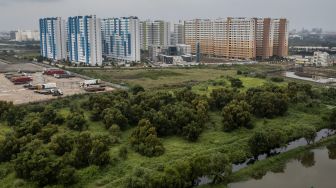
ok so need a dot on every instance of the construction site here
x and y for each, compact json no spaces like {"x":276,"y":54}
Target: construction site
{"x":40,"y":84}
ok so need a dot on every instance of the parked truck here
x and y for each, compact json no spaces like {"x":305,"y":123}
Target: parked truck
{"x":47,"y":86}
{"x":88,"y":83}
{"x":21,"y":80}
{"x":53,"y":71}
{"x":66,"y":74}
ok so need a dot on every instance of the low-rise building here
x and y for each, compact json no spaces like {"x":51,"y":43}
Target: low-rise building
{"x":321,"y":59}
{"x":172,"y":54}
{"x":27,"y":35}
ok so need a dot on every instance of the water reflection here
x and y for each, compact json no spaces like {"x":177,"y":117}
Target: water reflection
{"x":314,"y":168}
{"x":307,"y":159}
{"x":332,"y":151}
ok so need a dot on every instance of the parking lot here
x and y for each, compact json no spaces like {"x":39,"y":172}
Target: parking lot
{"x":20,"y":95}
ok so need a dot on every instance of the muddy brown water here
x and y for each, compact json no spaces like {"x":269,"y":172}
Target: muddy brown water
{"x":312,"y":169}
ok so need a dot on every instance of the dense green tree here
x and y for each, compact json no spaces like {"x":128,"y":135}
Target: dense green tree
{"x":4,"y":107}
{"x":192,"y":131}
{"x":99,"y":154}
{"x":221,"y":97}
{"x":46,"y":133}
{"x":36,"y":163}
{"x":30,"y":125}
{"x":137,"y":89}
{"x":235,"y":115}
{"x":82,"y":150}
{"x":236,"y":83}
{"x":145,"y":141}
{"x":268,"y":104}
{"x":115,"y":131}
{"x":67,"y":176}
{"x":15,"y":115}
{"x":123,"y":152}
{"x":202,"y":107}
{"x":332,"y":120}
{"x":49,"y":115}
{"x":114,"y":116}
{"x":263,"y":140}
{"x":185,"y":95}
{"x":76,"y":121}
{"x":62,"y":143}
{"x":9,"y":147}
{"x":309,"y":133}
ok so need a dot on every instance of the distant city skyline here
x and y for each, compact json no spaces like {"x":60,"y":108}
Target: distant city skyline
{"x":24,"y":14}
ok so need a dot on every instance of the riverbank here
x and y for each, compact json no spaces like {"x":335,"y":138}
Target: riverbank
{"x":272,"y":164}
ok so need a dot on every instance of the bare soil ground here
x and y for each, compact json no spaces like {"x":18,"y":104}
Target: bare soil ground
{"x":19,"y":95}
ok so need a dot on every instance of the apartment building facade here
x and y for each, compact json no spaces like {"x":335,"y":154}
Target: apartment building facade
{"x":280,"y":46}
{"x":264,"y":28}
{"x":179,"y":32}
{"x":238,"y":38}
{"x":84,"y":40}
{"x":121,"y":38}
{"x":53,"y":38}
{"x":155,"y":33}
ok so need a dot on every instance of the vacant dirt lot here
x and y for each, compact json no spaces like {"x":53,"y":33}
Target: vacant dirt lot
{"x":20,"y":95}
{"x":25,"y":67}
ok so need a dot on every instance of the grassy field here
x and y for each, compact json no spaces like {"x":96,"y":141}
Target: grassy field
{"x":175,"y":77}
{"x":153,"y":78}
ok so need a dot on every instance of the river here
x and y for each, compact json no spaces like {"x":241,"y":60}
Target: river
{"x":312,"y":169}
{"x":290,"y":146}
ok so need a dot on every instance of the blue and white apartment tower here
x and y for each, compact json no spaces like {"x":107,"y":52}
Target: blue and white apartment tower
{"x":121,"y":38}
{"x":53,"y":38}
{"x":84,"y":40}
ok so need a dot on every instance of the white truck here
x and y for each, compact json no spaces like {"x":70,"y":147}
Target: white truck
{"x":48,"y":86}
{"x":87,"y":83}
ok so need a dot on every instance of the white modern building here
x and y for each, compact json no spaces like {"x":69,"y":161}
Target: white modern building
{"x":85,"y":40}
{"x":321,"y":59}
{"x":155,"y":33}
{"x":53,"y":38}
{"x":179,"y":33}
{"x":27,"y":35}
{"x":121,"y":38}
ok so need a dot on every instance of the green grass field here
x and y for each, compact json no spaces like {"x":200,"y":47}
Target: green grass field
{"x":154,"y":78}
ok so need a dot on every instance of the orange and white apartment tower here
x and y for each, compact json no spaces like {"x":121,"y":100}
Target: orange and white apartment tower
{"x":238,"y":38}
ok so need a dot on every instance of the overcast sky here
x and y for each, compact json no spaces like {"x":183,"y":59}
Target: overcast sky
{"x":24,"y":14}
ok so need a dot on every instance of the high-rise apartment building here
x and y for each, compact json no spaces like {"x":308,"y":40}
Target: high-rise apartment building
{"x":154,"y":33}
{"x":84,"y":40}
{"x":53,"y":38}
{"x":280,"y":46}
{"x":264,"y":37}
{"x":238,"y":38}
{"x":121,"y":38}
{"x":179,"y":32}
{"x":200,"y":31}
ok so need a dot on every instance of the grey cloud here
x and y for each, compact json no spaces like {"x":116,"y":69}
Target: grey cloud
{"x":8,"y":2}
{"x":301,"y":13}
